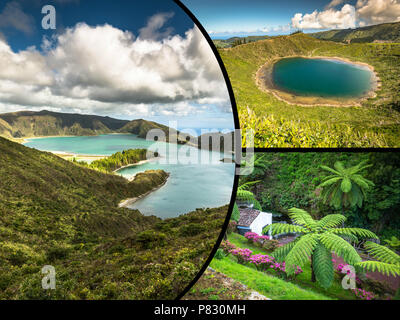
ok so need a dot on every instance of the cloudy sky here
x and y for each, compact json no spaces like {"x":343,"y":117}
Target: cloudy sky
{"x":224,"y":18}
{"x":111,"y":58}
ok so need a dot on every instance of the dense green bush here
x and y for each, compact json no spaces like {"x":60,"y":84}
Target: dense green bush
{"x":150,"y":238}
{"x":192,"y":229}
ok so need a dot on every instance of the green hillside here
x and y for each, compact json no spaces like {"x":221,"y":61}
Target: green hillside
{"x":389,"y":32}
{"x":278,"y":124}
{"x":46,"y":123}
{"x":54,"y":212}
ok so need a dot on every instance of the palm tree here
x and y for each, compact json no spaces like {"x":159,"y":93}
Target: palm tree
{"x":345,"y":187}
{"x":317,"y":240}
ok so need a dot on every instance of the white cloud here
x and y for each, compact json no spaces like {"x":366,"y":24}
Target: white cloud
{"x":328,"y":19}
{"x":334,"y":3}
{"x":154,"y":24}
{"x":105,"y":70}
{"x":13,"y":16}
{"x":377,"y":11}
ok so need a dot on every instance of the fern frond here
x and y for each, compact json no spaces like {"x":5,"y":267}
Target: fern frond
{"x":302,"y":217}
{"x":331,"y":221}
{"x":235,"y":213}
{"x":358,"y":232}
{"x":301,"y":252}
{"x":341,"y":247}
{"x":244,"y":195}
{"x":382,"y":267}
{"x":280,"y":253}
{"x":246,"y":186}
{"x":323,"y":266}
{"x":277,"y":228}
{"x":330,"y":170}
{"x":329,"y":182}
{"x":382,"y":253}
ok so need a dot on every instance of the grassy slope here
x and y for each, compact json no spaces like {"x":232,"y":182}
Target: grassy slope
{"x":273,"y":287}
{"x":242,"y":62}
{"x":386,"y":31}
{"x":55,"y":212}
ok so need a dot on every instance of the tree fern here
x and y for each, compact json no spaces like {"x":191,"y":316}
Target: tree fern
{"x":323,"y":266}
{"x":382,"y":267}
{"x":341,"y":247}
{"x":382,"y":253}
{"x":345,"y":186}
{"x":331,"y":220}
{"x":358,"y":232}
{"x":278,"y":228}
{"x":301,"y":252}
{"x":280,"y":253}
{"x":302,"y":218}
{"x":317,"y":240}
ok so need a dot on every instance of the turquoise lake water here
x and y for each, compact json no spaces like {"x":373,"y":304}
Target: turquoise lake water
{"x":322,"y":77}
{"x":192,"y":184}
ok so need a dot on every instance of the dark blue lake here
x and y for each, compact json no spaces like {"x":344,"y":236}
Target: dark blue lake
{"x":322,"y":77}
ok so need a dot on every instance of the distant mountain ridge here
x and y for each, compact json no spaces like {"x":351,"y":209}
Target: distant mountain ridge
{"x":45,"y":123}
{"x":386,"y":32}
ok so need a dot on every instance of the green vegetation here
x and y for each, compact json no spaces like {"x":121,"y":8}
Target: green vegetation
{"x":382,"y":32}
{"x":388,"y":261}
{"x":345,"y":187}
{"x":278,"y":124}
{"x":119,"y":160}
{"x":55,"y":212}
{"x":317,"y":240}
{"x":291,"y":180}
{"x":272,"y":287}
{"x":317,"y":245}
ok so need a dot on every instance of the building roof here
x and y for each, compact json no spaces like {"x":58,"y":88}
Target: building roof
{"x":247,"y":216}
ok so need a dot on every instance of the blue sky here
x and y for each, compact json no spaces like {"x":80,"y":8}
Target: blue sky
{"x":121,"y":14}
{"x":113,"y":58}
{"x":222,"y":18}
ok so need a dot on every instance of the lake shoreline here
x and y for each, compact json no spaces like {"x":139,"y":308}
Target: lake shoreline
{"x":127,"y":202}
{"x":264,"y":81}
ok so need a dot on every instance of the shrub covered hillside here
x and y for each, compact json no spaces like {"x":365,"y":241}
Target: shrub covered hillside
{"x":290,"y":180}
{"x":278,"y":124}
{"x":54,"y":212}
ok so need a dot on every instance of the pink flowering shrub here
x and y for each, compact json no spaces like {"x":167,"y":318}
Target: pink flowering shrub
{"x":254,"y":237}
{"x":261,"y":261}
{"x":280,"y":269}
{"x":242,"y":255}
{"x":227,"y":246}
{"x":363,"y":295}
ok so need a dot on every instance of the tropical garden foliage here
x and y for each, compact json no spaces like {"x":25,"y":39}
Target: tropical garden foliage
{"x":347,"y":201}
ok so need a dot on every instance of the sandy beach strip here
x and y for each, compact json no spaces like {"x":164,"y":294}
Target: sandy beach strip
{"x":128,"y":202}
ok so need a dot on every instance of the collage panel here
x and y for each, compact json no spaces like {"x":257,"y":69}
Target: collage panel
{"x":311,"y":74}
{"x":311,"y":226}
{"x":116,"y":150}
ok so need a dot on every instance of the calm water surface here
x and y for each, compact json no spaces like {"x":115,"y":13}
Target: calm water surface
{"x":322,"y":77}
{"x":191,"y":185}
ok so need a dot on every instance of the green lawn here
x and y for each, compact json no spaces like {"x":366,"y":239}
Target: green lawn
{"x":278,"y":124}
{"x":271,"y":286}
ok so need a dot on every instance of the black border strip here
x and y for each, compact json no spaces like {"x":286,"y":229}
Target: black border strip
{"x":237,"y":127}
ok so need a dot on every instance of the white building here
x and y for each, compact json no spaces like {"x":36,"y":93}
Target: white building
{"x":252,"y":220}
